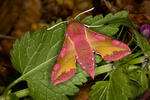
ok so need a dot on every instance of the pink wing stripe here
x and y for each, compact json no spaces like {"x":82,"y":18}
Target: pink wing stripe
{"x":77,"y":34}
{"x":62,"y":60}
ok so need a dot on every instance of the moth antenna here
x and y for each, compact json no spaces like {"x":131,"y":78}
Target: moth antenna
{"x":94,"y":25}
{"x":83,"y":12}
{"x":57,"y":24}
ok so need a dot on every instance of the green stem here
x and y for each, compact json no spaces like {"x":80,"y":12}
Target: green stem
{"x":103,"y":69}
{"x":132,"y":39}
{"x":22,"y":93}
{"x":132,"y":67}
{"x":124,"y":36}
{"x":137,"y":60}
{"x":118,"y":36}
{"x":11,"y":85}
{"x":134,"y":48}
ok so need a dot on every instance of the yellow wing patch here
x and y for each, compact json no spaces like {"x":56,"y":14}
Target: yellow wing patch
{"x":109,"y":49}
{"x":65,"y":67}
{"x":105,"y":47}
{"x":67,"y":63}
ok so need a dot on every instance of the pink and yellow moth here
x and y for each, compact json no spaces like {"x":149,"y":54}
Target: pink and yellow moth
{"x":79,"y":45}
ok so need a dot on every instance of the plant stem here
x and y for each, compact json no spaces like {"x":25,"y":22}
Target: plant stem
{"x":134,"y":48}
{"x":137,"y":60}
{"x":118,"y":36}
{"x":22,"y":93}
{"x":103,"y":69}
{"x":124,"y":36}
{"x":11,"y":85}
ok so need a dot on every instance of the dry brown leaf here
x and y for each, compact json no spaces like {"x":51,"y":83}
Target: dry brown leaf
{"x":17,"y":17}
{"x":6,"y":45}
{"x":8,"y":14}
{"x":3,"y":71}
{"x":38,"y":26}
{"x":68,"y":3}
{"x":124,"y":3}
{"x":29,"y":14}
{"x":83,"y":93}
{"x":145,"y":7}
{"x":74,"y":7}
{"x":139,"y":19}
{"x":50,"y":10}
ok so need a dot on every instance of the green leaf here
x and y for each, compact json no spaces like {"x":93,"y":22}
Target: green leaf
{"x":122,"y":85}
{"x":142,"y":42}
{"x":116,"y":88}
{"x":108,"y":30}
{"x":139,"y":82}
{"x":99,"y":90}
{"x":98,"y":58}
{"x":109,"y":17}
{"x":128,"y":59}
{"x":35,"y":50}
{"x":13,"y":97}
{"x":123,"y":21}
{"x":88,"y":20}
{"x":27,"y":98}
{"x":22,"y":93}
{"x":34,"y":57}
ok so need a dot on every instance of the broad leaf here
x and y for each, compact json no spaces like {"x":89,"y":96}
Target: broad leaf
{"x":34,"y":57}
{"x":122,"y":85}
{"x":110,"y":29}
{"x":116,"y":88}
{"x":139,"y":82}
{"x":13,"y":97}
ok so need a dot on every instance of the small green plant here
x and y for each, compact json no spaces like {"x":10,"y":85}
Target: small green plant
{"x":35,"y":55}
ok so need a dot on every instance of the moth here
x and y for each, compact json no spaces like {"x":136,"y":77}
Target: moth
{"x":79,"y":44}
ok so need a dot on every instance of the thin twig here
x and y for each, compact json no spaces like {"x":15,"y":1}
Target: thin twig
{"x":8,"y":37}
